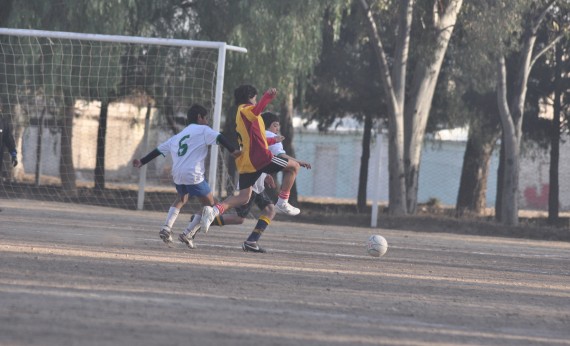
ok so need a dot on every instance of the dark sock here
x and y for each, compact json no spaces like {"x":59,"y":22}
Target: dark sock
{"x":262,"y":224}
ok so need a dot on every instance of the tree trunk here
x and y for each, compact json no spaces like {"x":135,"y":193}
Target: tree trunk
{"x":364,"y":162}
{"x":511,"y":125}
{"x":100,"y":152}
{"x":511,"y":114}
{"x":394,"y":86}
{"x":554,"y":188}
{"x":421,"y":96}
{"x":66,"y":168}
{"x":38,"y":171}
{"x":500,"y":183}
{"x":472,"y":196}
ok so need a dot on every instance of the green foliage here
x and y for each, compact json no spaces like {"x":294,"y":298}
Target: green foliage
{"x":343,"y":81}
{"x":283,"y":38}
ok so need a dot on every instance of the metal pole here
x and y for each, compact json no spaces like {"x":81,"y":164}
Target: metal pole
{"x":142,"y":176}
{"x":376,"y":181}
{"x":212,"y":177}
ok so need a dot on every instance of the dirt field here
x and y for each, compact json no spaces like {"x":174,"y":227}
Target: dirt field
{"x":86,"y":275}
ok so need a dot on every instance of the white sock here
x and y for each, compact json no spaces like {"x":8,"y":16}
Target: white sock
{"x":282,"y":201}
{"x":171,"y":217}
{"x":196,"y":220}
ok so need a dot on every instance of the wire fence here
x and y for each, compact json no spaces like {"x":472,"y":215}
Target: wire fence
{"x":335,"y":158}
{"x":336,"y":161}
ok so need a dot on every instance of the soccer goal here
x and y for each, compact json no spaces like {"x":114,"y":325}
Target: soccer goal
{"x":83,"y":106}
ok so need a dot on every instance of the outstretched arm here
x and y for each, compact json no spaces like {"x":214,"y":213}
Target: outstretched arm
{"x":301,"y":163}
{"x":149,"y":157}
{"x":265,"y":99}
{"x":223,"y":141}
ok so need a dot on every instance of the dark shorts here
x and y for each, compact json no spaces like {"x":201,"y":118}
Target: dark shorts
{"x":248,"y":179}
{"x":198,"y":190}
{"x":261,"y":200}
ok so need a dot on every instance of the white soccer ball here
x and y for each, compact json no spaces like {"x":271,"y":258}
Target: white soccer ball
{"x":376,"y":245}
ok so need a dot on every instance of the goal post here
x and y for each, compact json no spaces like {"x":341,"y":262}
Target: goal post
{"x":62,"y":89}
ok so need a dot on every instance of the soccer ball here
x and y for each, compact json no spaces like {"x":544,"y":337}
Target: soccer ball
{"x":376,"y":245}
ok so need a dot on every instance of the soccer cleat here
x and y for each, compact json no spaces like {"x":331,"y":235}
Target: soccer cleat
{"x":188,"y":241}
{"x":192,"y":233}
{"x":208,"y":215}
{"x":286,"y":208}
{"x":252,"y":247}
{"x":165,"y":235}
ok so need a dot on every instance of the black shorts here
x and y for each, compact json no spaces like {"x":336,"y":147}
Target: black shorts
{"x":261,"y":200}
{"x":248,"y":179}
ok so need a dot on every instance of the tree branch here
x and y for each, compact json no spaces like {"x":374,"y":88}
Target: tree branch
{"x":502,"y":102}
{"x":540,"y":17}
{"x":381,"y":55}
{"x":545,"y":49}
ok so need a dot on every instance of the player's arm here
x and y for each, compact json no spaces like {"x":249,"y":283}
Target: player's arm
{"x":274,"y":140}
{"x":301,"y":163}
{"x":224,"y":142}
{"x":265,"y":99}
{"x":149,"y":157}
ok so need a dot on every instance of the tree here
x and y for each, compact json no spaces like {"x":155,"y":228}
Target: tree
{"x":483,"y":135}
{"x":340,"y":84}
{"x":408,"y":116}
{"x":556,"y":128}
{"x":511,"y":108}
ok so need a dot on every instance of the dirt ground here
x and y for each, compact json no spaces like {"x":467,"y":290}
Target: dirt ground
{"x":90,"y":275}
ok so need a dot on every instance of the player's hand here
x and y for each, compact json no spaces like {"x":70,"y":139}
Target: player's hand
{"x":137,"y":163}
{"x":305,"y":164}
{"x":279,"y":138}
{"x":236,"y":154}
{"x":269,"y":181}
{"x":272,"y":91}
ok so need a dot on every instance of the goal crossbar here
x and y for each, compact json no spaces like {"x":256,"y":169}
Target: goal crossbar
{"x":121,"y":39}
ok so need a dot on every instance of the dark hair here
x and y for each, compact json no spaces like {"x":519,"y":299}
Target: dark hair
{"x":243,"y":93}
{"x":194,"y":111}
{"x":269,"y":118}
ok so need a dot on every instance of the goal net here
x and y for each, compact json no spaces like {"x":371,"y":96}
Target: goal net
{"x":81,"y":107}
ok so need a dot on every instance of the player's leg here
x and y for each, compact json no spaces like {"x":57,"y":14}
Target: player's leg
{"x":290,"y":168}
{"x":166,"y":230}
{"x":246,"y":182}
{"x":268,"y":213}
{"x":203,"y":192}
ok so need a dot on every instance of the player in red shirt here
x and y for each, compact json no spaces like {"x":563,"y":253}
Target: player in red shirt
{"x":255,"y":159}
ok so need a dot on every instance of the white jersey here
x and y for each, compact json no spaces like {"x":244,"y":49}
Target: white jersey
{"x":189,"y":149}
{"x":277,"y":148}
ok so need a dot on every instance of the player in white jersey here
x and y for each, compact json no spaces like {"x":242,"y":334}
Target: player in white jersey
{"x":272,"y":127}
{"x":258,"y":196}
{"x":188,"y":149}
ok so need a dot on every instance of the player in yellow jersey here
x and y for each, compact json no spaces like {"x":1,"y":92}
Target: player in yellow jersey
{"x":255,"y":159}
